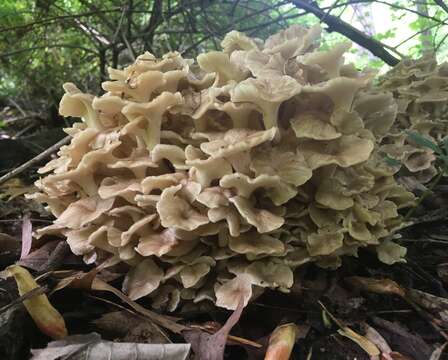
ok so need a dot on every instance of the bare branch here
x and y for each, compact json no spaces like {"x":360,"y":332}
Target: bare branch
{"x":442,"y":5}
{"x":340,"y":26}
{"x":35,"y":159}
{"x":154,"y":21}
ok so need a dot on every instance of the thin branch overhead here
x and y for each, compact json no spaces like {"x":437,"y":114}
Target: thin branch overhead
{"x":336,"y":24}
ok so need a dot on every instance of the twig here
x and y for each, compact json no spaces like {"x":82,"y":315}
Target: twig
{"x":123,"y":308}
{"x":441,"y":42}
{"x":241,"y":19}
{"x":418,"y":33}
{"x":340,"y":26}
{"x":442,"y":5}
{"x":36,"y":291}
{"x":429,"y":318}
{"x":24,"y":130}
{"x":56,"y":18}
{"x":12,"y":101}
{"x":34,"y":160}
{"x":20,"y":118}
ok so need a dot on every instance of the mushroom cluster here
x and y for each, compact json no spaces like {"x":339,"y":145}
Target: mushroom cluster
{"x":221,"y":176}
{"x":420,"y":88}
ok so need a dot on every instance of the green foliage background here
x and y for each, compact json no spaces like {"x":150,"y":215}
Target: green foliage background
{"x":44,"y":43}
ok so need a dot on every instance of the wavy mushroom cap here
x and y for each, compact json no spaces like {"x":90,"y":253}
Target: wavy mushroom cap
{"x":216,"y":179}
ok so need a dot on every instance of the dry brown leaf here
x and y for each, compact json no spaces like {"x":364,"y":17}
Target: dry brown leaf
{"x":164,"y":321}
{"x":38,"y":257}
{"x":405,"y":344}
{"x":8,"y":243}
{"x":129,"y":327}
{"x":281,"y":342}
{"x":377,"y":286}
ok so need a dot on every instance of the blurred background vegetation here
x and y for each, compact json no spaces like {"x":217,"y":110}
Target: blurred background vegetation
{"x":44,"y":43}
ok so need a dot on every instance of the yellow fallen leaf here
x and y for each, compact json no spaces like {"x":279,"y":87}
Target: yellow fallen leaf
{"x":46,"y":317}
{"x":368,"y":346}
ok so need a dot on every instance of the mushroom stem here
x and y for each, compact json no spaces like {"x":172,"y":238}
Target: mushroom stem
{"x":270,"y":115}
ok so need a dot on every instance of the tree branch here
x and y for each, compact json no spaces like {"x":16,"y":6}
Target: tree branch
{"x":43,"y":155}
{"x":442,"y":5}
{"x":340,"y":26}
{"x":154,"y":21}
{"x":58,"y":18}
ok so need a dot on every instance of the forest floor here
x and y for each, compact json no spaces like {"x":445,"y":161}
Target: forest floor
{"x":405,"y":314}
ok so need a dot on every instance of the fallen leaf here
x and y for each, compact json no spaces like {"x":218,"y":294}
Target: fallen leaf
{"x":281,"y":342}
{"x":91,"y":347}
{"x":402,"y":341}
{"x":83,"y":280}
{"x":164,"y":321}
{"x":9,"y":249}
{"x":399,"y":356}
{"x":437,"y":305}
{"x":12,"y":337}
{"x":368,"y":346}
{"x":8,"y":242}
{"x":376,"y":338}
{"x":129,"y":327}
{"x":27,"y":236}
{"x":377,"y":286}
{"x":46,"y":317}
{"x":37,"y":258}
{"x":437,"y":353}
{"x":211,"y":347}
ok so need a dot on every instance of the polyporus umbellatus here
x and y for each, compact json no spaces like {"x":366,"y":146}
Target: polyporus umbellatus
{"x":420,"y":88}
{"x":224,"y":175}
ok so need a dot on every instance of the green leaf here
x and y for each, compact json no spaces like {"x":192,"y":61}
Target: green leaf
{"x":422,"y":141}
{"x":445,"y":145}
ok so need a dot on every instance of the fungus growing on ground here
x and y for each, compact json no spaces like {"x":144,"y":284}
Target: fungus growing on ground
{"x":225,"y":177}
{"x":420,"y":88}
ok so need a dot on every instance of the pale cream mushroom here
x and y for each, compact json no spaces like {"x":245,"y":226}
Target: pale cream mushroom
{"x":174,"y":211}
{"x":267,"y":94}
{"x":143,"y":279}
